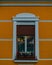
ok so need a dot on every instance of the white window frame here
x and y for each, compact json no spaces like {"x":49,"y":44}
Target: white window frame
{"x":36,"y":38}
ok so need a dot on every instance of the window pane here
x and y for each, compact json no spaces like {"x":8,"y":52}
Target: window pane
{"x":20,"y":43}
{"x":30,"y":45}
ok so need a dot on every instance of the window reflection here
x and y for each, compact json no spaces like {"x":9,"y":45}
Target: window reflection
{"x":30,"y":53}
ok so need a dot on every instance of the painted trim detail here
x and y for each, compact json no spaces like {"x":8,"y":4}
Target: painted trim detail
{"x":25,"y":5}
{"x":5,"y":39}
{"x":38,"y":39}
{"x":45,"y":39}
{"x":6,"y":59}
{"x":39,"y":21}
{"x":5,"y":20}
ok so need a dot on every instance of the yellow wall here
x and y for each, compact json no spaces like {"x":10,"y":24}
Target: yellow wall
{"x":45,"y":32}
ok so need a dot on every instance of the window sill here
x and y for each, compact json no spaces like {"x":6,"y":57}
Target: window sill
{"x":25,"y":60}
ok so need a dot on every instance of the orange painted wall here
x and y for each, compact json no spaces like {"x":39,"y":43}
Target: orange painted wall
{"x":44,"y":13}
{"x":44,"y":28}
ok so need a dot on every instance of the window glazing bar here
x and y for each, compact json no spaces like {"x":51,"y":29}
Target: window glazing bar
{"x":25,"y":43}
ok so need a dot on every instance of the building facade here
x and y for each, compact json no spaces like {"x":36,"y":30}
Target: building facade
{"x":44,"y":12}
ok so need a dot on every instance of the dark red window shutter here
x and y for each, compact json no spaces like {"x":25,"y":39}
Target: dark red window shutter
{"x":25,"y":29}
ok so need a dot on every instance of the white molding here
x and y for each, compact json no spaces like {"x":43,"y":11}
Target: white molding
{"x":25,"y":19}
{"x":14,"y":40}
{"x":45,"y":20}
{"x":25,"y":5}
{"x":45,"y":39}
{"x":39,"y":20}
{"x":25,"y":60}
{"x":5,"y":39}
{"x":45,"y":59}
{"x":5,"y":20}
{"x":30,"y":61}
{"x":26,"y":23}
{"x":6,"y":59}
{"x":36,"y":40}
{"x":25,"y":1}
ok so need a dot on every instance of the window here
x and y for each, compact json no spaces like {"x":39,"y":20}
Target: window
{"x":25,"y":42}
{"x":25,"y":38}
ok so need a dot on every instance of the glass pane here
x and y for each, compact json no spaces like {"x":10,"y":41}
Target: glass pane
{"x":20,"y":44}
{"x":20,"y":47}
{"x":31,"y":45}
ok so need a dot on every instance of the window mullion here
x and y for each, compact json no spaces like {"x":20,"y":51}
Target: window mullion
{"x":25,"y":43}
